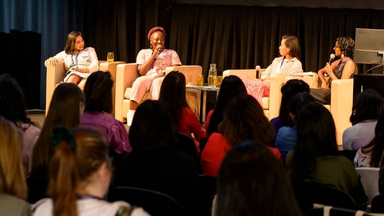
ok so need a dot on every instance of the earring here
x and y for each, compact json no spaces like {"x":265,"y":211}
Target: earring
{"x":342,"y":55}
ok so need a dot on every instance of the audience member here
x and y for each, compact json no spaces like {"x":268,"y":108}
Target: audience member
{"x":155,"y":163}
{"x":243,"y":120}
{"x":98,"y":107}
{"x":342,"y":68}
{"x":251,"y":181}
{"x":365,"y":112}
{"x":172,"y":94}
{"x":13,"y":188}
{"x":371,"y":155}
{"x":286,"y":136}
{"x":80,"y":174}
{"x":13,"y":109}
{"x":288,"y":90}
{"x":231,"y":87}
{"x":65,"y":109}
{"x":151,"y":66}
{"x":316,"y":157}
{"x":79,"y":62}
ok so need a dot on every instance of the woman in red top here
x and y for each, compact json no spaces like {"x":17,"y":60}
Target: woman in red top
{"x":172,"y":94}
{"x":244,"y":120}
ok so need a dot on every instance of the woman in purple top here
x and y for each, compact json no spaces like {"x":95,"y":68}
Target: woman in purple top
{"x":151,"y":64}
{"x":98,"y":106}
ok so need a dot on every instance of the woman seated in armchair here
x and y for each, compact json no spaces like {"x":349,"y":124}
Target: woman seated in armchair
{"x":287,"y":63}
{"x":151,"y":66}
{"x":79,"y":62}
{"x":342,"y":68}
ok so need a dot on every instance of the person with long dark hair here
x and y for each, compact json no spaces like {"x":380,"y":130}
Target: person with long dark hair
{"x":365,"y":112}
{"x":371,"y":155}
{"x":231,"y":87}
{"x":172,"y":94}
{"x":155,"y":163}
{"x":251,"y":181}
{"x":316,"y":157}
{"x":65,"y":109}
{"x":13,"y":109}
{"x":243,"y":120}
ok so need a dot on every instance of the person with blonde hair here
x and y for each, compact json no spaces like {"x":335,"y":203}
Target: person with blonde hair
{"x":13,"y":188}
{"x":80,"y":174}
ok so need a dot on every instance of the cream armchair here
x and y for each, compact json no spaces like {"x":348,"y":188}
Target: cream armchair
{"x":271,"y":104}
{"x":341,"y":101}
{"x":127,"y":73}
{"x":56,"y":74}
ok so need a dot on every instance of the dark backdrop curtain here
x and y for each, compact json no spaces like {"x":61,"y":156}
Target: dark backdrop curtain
{"x":243,"y":37}
{"x":230,"y":36}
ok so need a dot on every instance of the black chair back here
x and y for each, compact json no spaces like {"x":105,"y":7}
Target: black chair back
{"x":377,"y":204}
{"x":208,"y":184}
{"x":37,"y":187}
{"x":186,"y":144}
{"x":350,"y":154}
{"x":154,"y":202}
{"x":308,"y":193}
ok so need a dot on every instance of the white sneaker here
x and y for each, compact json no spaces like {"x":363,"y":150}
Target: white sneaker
{"x":130,"y":115}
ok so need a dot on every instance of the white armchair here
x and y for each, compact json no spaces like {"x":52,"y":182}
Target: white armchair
{"x":127,"y":73}
{"x":271,"y":104}
{"x":56,"y":74}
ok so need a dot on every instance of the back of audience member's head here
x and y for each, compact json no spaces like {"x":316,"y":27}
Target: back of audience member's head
{"x":252,"y":181}
{"x":11,"y":100}
{"x":65,"y":109}
{"x":231,"y":86}
{"x":12,"y":179}
{"x":79,"y":154}
{"x":152,"y":127}
{"x":367,"y":106}
{"x":376,"y":146}
{"x":290,"y":89}
{"x":172,"y":94}
{"x":98,"y":92}
{"x":316,"y":137}
{"x":244,"y":120}
{"x":297,"y":102}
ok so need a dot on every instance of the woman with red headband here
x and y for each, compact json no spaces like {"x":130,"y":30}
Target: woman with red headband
{"x":151,"y":66}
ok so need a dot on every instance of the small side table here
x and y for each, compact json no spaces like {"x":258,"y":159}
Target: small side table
{"x":204,"y":89}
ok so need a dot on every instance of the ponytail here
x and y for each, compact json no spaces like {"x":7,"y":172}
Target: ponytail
{"x":64,"y":178}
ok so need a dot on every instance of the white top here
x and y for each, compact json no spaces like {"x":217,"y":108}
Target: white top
{"x":289,"y":66}
{"x":87,"y":207}
{"x":358,"y":135}
{"x":166,"y":58}
{"x":85,"y":58}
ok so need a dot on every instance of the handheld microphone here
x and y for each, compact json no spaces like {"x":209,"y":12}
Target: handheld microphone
{"x":331,"y":57}
{"x":257,"y":71}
